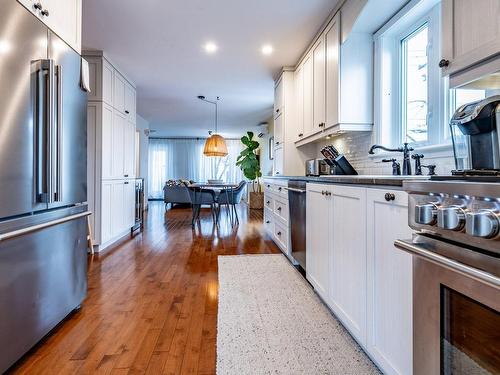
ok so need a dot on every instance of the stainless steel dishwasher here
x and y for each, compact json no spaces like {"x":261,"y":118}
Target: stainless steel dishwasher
{"x":297,"y":204}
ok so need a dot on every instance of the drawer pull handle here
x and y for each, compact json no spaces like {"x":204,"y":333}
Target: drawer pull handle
{"x":279,"y":208}
{"x":267,"y":221}
{"x":268,"y":202}
{"x":44,"y":13}
{"x":280,"y":188}
{"x":279,"y":233}
{"x":389,"y":197}
{"x":300,"y":134}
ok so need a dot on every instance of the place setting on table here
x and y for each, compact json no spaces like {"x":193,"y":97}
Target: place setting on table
{"x":215,"y":193}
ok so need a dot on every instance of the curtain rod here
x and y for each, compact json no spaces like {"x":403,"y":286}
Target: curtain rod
{"x":196,"y":138}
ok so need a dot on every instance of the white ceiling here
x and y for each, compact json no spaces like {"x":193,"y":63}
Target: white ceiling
{"x":158,"y":45}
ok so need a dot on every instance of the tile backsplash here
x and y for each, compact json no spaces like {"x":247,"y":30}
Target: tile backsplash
{"x":355,"y":147}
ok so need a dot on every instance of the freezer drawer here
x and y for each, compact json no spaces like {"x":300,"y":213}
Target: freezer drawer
{"x":42,"y":279}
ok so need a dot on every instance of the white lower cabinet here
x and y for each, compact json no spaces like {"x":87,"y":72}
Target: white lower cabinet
{"x":390,"y":329}
{"x":348,"y":259}
{"x":354,"y":267}
{"x":318,"y":240}
{"x":117,"y":209}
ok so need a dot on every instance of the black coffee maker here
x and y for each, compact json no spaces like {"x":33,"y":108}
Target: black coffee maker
{"x":476,"y":138}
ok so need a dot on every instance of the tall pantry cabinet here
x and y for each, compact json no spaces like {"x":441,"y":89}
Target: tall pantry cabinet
{"x":111,"y":150}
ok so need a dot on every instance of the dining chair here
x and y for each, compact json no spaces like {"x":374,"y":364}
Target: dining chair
{"x":231,"y":197}
{"x":201,"y":197}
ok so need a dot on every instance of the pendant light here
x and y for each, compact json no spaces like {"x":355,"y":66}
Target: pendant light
{"x":215,"y":145}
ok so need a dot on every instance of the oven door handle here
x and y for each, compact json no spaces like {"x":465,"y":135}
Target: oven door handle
{"x":448,"y":263}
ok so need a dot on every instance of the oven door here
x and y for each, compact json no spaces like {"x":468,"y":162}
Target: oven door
{"x":456,"y":309}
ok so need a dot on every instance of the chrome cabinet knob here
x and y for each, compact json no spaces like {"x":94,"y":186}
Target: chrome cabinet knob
{"x":452,"y":218}
{"x":484,"y":224}
{"x":426,"y":214}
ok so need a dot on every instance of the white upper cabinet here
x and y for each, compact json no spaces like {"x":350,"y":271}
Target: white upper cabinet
{"x":279,"y":98}
{"x":319,"y":88}
{"x":299,"y":101}
{"x":130,"y":102}
{"x":278,"y":161}
{"x":119,"y":84}
{"x":64,"y":17}
{"x":332,"y":46}
{"x":129,"y":150}
{"x":107,"y":142}
{"x":278,"y":130}
{"x":470,"y":32}
{"x":308,"y":95}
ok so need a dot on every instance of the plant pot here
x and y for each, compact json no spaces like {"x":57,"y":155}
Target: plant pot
{"x":256,"y":201}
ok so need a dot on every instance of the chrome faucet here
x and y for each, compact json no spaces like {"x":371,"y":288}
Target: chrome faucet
{"x":405,"y":149}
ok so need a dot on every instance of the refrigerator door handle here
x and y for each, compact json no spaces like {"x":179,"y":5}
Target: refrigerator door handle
{"x":34,"y":228}
{"x":59,"y":134}
{"x":44,"y":119}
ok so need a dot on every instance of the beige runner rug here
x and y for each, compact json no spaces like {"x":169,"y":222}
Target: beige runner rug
{"x":270,"y":321}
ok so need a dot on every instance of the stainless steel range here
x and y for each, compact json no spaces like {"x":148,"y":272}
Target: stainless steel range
{"x":456,"y":265}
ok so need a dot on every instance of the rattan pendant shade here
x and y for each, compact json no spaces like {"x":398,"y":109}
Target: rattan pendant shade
{"x":215,"y":145}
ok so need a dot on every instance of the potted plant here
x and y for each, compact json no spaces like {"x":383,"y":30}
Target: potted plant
{"x":250,"y":166}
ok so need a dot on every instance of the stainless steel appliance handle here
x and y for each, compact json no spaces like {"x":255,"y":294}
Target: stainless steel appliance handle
{"x":59,"y":134}
{"x":295,"y":190}
{"x":43,"y":116}
{"x":449,"y":263}
{"x":34,"y":228}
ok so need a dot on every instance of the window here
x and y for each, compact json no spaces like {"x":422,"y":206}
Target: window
{"x":415,"y":86}
{"x":173,"y":159}
{"x":409,"y":89}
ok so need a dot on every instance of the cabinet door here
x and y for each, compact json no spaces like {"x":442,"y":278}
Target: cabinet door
{"x":348,"y":259}
{"x":106,"y":212}
{"x":319,"y":72}
{"x":130,"y":102}
{"x":299,"y":102}
{"x":107,"y":141}
{"x":108,"y":73}
{"x":118,"y":140}
{"x":471,"y":32}
{"x":278,"y":130}
{"x":118,"y":212}
{"x":129,"y":150}
{"x":129,"y":204}
{"x":332,"y":42}
{"x":278,"y":161}
{"x":318,"y":237}
{"x":279,"y":98}
{"x":61,"y":16}
{"x":119,"y":92}
{"x":389,"y":272}
{"x":308,"y":96}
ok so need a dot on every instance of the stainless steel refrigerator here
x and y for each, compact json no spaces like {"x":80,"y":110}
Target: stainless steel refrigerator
{"x":43,"y":188}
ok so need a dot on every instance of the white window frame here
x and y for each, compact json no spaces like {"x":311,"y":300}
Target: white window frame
{"x":389,"y":126}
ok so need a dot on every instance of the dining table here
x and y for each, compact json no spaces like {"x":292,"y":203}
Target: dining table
{"x":223,"y":188}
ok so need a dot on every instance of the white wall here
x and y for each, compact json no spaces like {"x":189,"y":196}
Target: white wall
{"x":141,"y":126}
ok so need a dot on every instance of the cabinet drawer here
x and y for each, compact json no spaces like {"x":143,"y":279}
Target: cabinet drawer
{"x":281,"y":236}
{"x":281,"y":210}
{"x":268,"y":221}
{"x":269,"y":202}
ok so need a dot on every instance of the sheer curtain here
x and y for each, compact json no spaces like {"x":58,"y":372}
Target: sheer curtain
{"x":173,"y":159}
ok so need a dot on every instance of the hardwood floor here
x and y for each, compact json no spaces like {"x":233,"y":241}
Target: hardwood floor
{"x":152,"y":302}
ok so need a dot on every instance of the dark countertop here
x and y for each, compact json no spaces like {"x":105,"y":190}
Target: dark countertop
{"x":353,"y":180}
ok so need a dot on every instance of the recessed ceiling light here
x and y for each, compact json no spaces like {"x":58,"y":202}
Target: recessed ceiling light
{"x":210,"y":47}
{"x":267,"y":49}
